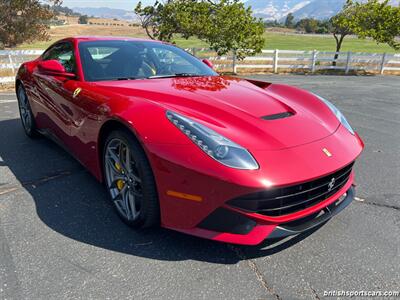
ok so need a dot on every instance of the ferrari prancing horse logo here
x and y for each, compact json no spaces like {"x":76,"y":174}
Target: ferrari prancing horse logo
{"x":326,"y":151}
{"x":331,"y":184}
{"x":76,"y":92}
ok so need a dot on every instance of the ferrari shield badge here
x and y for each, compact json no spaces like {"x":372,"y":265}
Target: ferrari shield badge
{"x":327,"y":153}
{"x":76,"y":92}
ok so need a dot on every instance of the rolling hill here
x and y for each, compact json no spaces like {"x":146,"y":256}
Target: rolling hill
{"x":107,"y":13}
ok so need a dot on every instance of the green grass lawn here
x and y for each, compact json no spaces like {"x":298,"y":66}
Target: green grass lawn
{"x":36,"y":45}
{"x":321,"y":43}
{"x":299,"y":42}
{"x":278,"y":41}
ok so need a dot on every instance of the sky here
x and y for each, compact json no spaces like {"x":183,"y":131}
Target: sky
{"x":122,"y":4}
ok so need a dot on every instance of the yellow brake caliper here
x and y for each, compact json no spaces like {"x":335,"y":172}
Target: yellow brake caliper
{"x":120,"y":182}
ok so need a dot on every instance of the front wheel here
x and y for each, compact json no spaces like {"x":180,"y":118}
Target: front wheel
{"x":27,"y":119}
{"x":129,"y":180}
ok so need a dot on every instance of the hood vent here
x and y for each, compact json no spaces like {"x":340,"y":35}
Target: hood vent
{"x":278,"y":116}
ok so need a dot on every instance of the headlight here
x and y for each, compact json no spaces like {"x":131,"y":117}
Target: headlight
{"x":337,"y":113}
{"x":213,"y":144}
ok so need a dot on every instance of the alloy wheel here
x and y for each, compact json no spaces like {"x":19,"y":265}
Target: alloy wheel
{"x":24,"y":109}
{"x":123,"y":179}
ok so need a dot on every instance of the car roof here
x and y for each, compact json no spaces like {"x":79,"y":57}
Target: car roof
{"x":108,"y":38}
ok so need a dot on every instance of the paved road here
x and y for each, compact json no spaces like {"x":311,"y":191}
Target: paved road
{"x":59,"y":237}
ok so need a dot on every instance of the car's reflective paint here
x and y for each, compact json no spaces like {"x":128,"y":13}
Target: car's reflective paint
{"x":288,"y":150}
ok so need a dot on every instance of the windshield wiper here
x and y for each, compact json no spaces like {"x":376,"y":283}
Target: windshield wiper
{"x":174,"y":75}
{"x":125,"y":78}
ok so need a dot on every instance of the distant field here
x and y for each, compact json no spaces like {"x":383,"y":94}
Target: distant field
{"x":284,"y":41}
{"x":59,"y":32}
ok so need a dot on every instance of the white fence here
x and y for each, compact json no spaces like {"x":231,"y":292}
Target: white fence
{"x":309,"y":61}
{"x":10,"y":60}
{"x":265,"y":62}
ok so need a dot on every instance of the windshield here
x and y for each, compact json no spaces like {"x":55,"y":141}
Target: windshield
{"x":127,"y":60}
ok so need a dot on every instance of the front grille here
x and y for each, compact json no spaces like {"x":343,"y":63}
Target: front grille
{"x":287,"y":200}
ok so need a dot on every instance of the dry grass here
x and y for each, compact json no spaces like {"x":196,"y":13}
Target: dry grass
{"x":7,"y":87}
{"x":68,"y":19}
{"x":71,"y":20}
{"x":6,"y":72}
{"x":109,"y":21}
{"x":77,"y":29}
{"x":58,"y":32}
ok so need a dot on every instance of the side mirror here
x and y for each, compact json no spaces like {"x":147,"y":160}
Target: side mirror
{"x":208,"y":63}
{"x":54,"y":68}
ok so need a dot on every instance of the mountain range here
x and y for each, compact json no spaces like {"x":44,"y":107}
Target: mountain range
{"x":107,"y":13}
{"x":266,"y":9}
{"x":318,"y":9}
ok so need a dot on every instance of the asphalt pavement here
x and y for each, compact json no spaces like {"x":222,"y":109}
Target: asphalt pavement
{"x":60,"y":238}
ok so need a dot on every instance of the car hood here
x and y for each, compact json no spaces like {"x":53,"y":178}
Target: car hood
{"x":256,"y":115}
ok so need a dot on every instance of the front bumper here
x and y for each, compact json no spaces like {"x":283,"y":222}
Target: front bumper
{"x":272,"y":228}
{"x":186,"y":170}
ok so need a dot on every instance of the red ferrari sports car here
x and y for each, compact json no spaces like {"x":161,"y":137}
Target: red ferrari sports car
{"x":177,"y":145}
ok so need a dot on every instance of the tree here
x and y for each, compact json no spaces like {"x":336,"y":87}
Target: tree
{"x":289,"y":23}
{"x":308,"y":25}
{"x":58,"y":9}
{"x":24,"y":20}
{"x":234,"y":28}
{"x":226,"y":24}
{"x":273,"y":23}
{"x":83,"y":19}
{"x":379,"y":21}
{"x":373,"y":19}
{"x":324,"y":27}
{"x":343,"y":24}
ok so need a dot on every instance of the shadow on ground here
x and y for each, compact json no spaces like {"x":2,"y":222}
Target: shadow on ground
{"x":71,"y":202}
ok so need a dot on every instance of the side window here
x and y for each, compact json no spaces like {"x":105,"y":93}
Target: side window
{"x":64,"y":53}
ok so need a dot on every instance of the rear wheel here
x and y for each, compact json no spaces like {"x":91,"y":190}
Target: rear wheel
{"x":129,"y":180}
{"x":27,"y":119}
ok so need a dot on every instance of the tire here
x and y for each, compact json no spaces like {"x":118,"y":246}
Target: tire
{"x":25,"y":112}
{"x":130,"y":182}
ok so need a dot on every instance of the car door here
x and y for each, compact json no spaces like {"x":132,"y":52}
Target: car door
{"x":56,"y":92}
{"x":88,"y":108}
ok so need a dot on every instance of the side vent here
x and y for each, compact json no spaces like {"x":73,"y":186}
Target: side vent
{"x":278,"y":116}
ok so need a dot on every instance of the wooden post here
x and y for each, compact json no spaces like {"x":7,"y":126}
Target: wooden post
{"x":194,"y":51}
{"x":313,"y":60}
{"x":234,"y":62}
{"x":276,"y":58}
{"x":11,"y":63}
{"x":348,"y":62}
{"x":383,"y":63}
